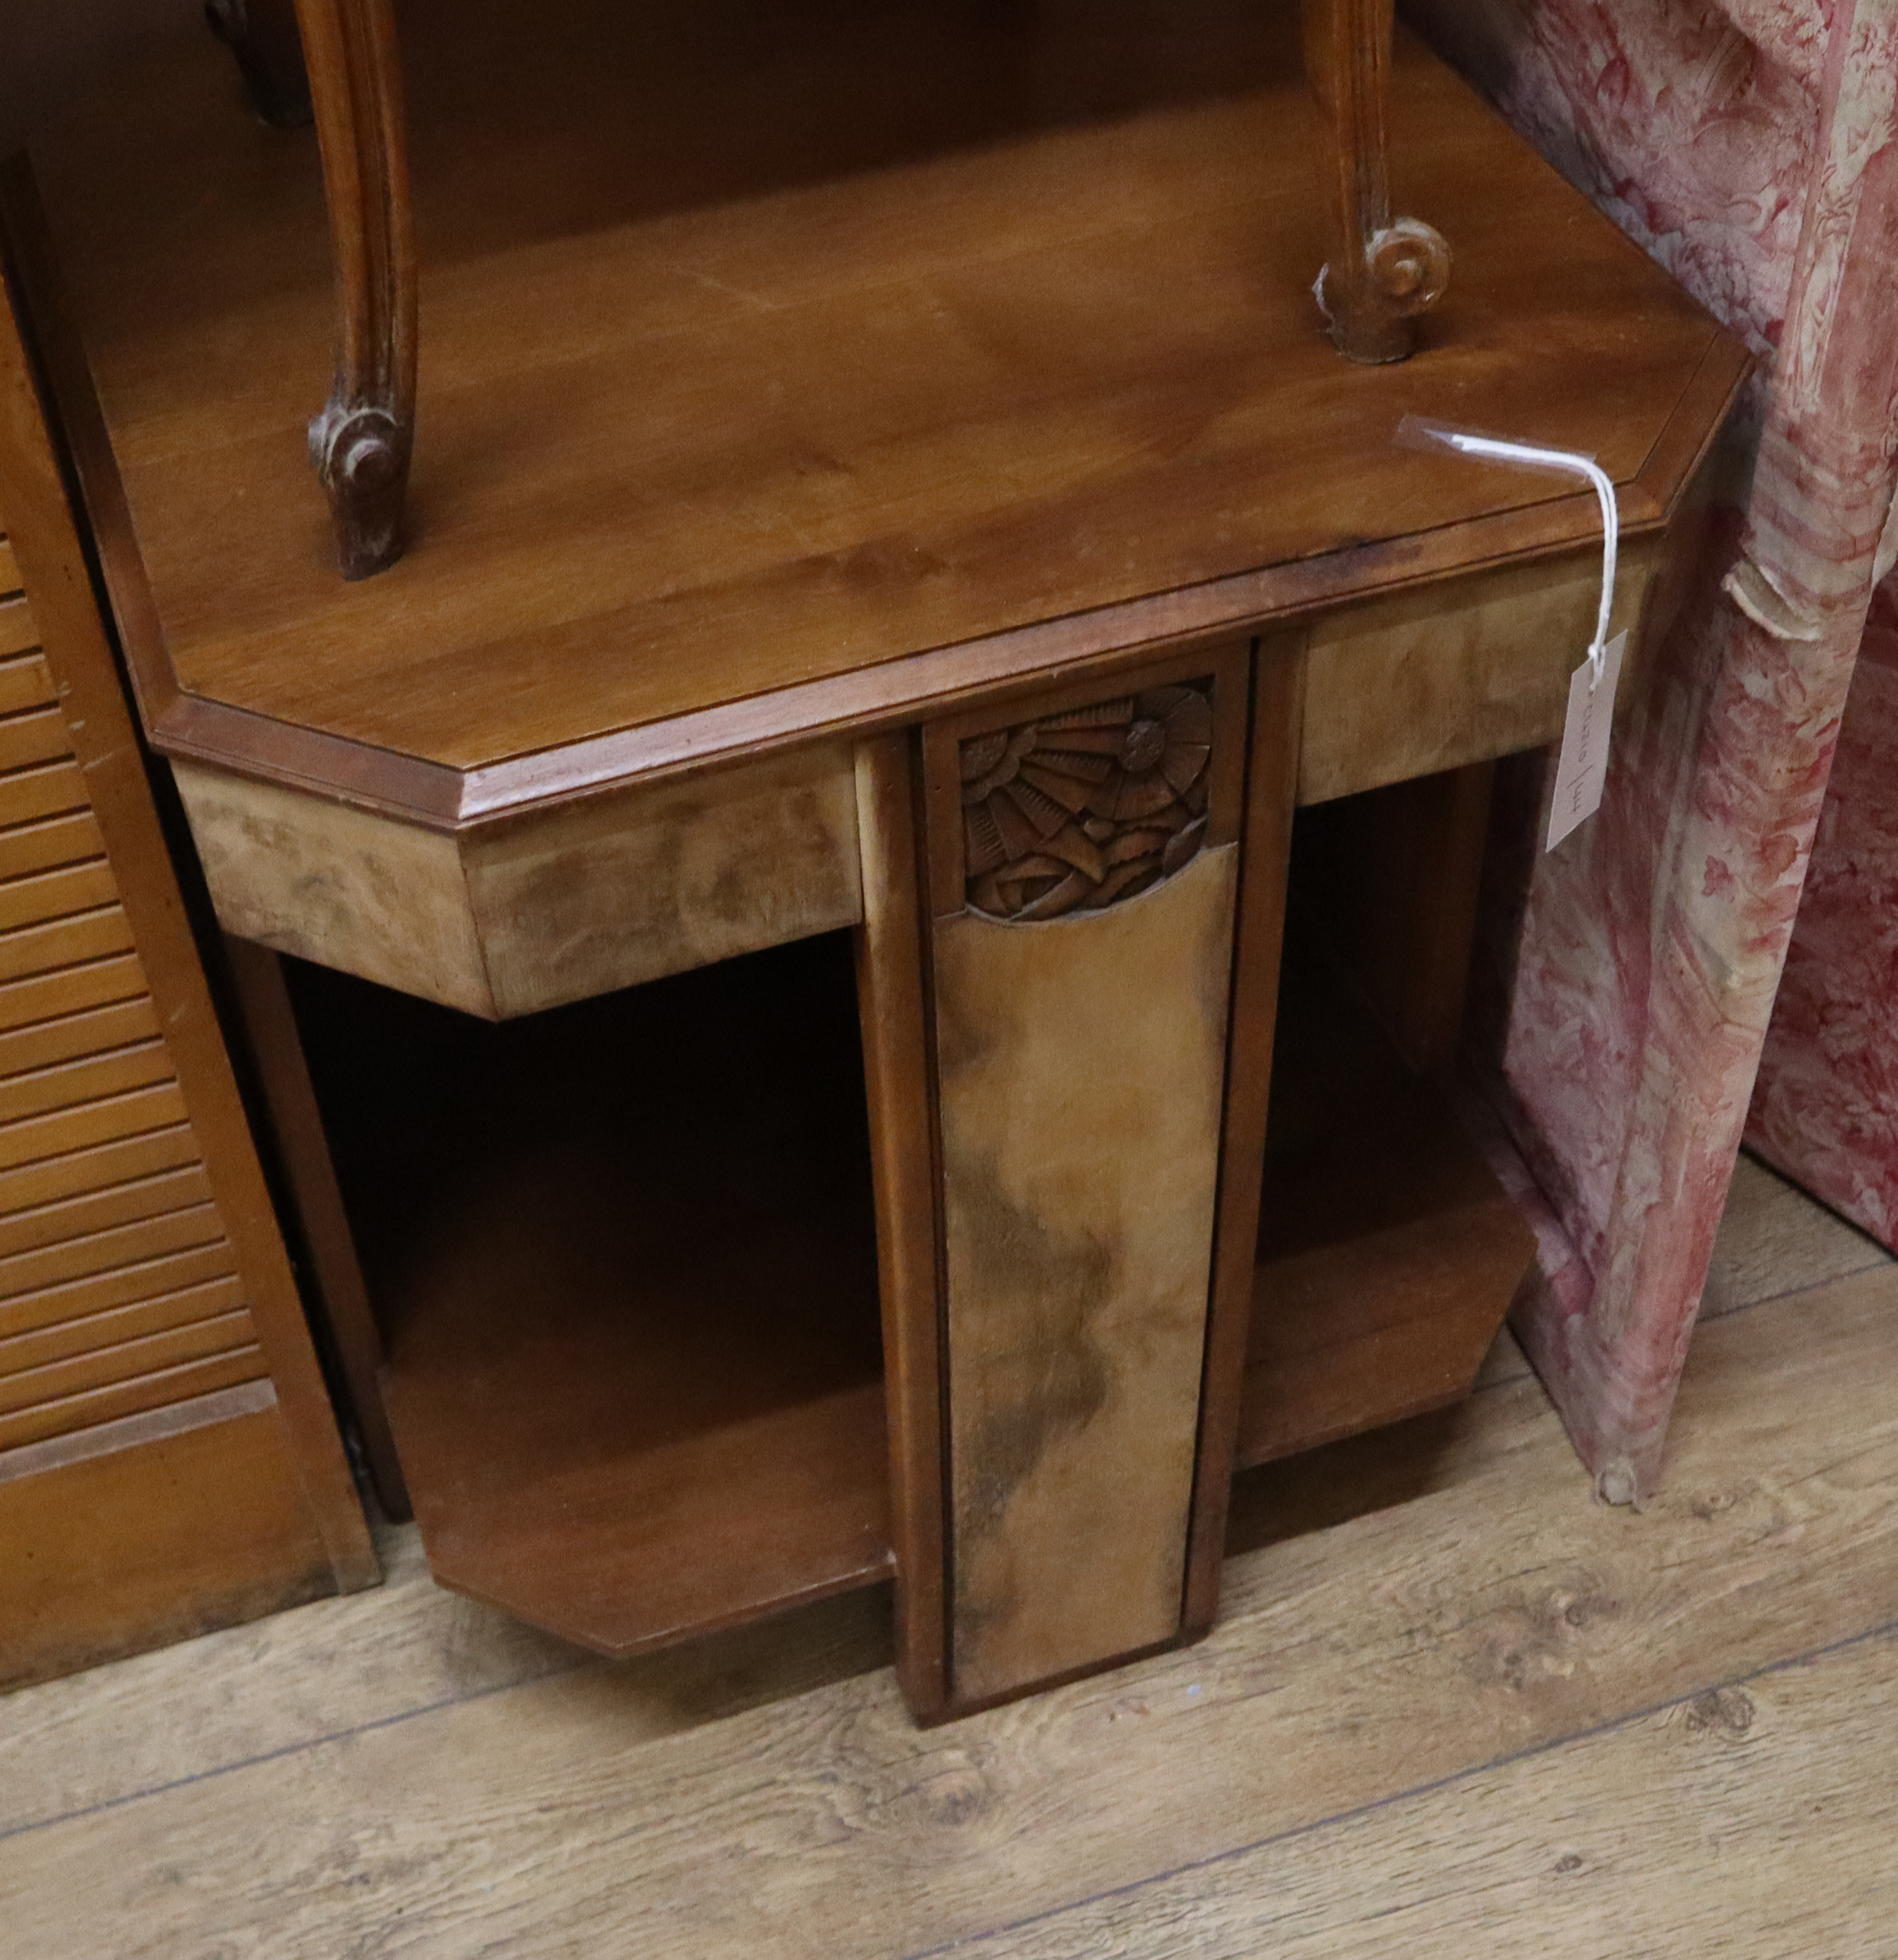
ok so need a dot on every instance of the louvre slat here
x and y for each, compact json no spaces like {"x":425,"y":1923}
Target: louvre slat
{"x":95,"y":1211}
{"x":30,"y":794}
{"x":104,"y":1251}
{"x":44,"y":996}
{"x":73,"y":1299}
{"x":65,"y":1130}
{"x":54,"y":895}
{"x":17,"y":630}
{"x":85,"y":1080}
{"x":74,"y":1037}
{"x":38,"y":736}
{"x":31,"y":1354}
{"x":54,"y":841}
{"x":98,"y":1169}
{"x":161,"y":1390}
{"x":66,"y":942}
{"x":25,"y":681}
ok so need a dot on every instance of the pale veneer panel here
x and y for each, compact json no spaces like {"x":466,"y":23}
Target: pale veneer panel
{"x":342,"y":887}
{"x":1427,"y":681}
{"x":604,"y":896}
{"x":1082,"y":1064}
{"x":558,"y":907}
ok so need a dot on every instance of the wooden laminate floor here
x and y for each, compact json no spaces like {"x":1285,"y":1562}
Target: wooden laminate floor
{"x":1453,"y":1708}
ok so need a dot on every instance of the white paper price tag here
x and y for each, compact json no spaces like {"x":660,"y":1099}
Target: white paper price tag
{"x":1583,"y":767}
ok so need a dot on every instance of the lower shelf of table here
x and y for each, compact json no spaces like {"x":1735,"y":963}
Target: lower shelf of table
{"x":623,"y":1258}
{"x":1388,"y":1252}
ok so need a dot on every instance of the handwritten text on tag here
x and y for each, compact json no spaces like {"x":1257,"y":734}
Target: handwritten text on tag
{"x":1583,"y":767}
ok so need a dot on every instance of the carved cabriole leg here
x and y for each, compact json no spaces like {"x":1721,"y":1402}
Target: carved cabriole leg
{"x":360,"y":444}
{"x":1083,"y":867}
{"x":1380,"y":271}
{"x":262,"y":35}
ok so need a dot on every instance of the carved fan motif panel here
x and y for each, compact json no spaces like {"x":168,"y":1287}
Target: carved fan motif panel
{"x":1077,"y":811}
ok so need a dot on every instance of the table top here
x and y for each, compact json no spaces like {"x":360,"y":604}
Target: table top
{"x":788,"y":370}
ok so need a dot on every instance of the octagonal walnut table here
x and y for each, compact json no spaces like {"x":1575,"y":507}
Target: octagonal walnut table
{"x":881,"y":477}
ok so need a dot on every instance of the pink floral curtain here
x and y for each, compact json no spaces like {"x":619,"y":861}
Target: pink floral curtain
{"x":1750,"y":148}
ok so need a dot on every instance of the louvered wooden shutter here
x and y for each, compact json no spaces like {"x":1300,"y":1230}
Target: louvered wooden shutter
{"x":120,"y":1292}
{"x":169,"y":1458}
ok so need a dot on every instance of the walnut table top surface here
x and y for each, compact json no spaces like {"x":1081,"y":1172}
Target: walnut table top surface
{"x":785,"y":374}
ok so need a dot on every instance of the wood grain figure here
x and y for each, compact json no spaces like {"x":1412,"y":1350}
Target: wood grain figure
{"x":1415,"y":683}
{"x":1082,"y":1067}
{"x":1085,"y":865}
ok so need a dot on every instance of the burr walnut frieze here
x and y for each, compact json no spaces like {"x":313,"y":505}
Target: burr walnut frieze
{"x":1078,"y":810}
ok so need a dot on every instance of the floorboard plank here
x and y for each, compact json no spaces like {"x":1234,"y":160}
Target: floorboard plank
{"x":343,"y":1665}
{"x":1490,"y":1608}
{"x":1745,"y":1821}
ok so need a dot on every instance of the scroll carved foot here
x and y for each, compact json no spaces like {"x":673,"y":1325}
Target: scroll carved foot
{"x":361,"y":452}
{"x":1380,"y":271}
{"x":1403,"y":271}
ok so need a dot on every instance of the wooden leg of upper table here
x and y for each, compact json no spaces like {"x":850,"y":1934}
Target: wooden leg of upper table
{"x":262,"y":35}
{"x":1380,"y":271}
{"x":361,"y":443}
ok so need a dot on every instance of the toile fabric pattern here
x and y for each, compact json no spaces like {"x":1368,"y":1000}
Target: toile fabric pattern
{"x":1752,"y":147}
{"x":1825,"y":1110}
